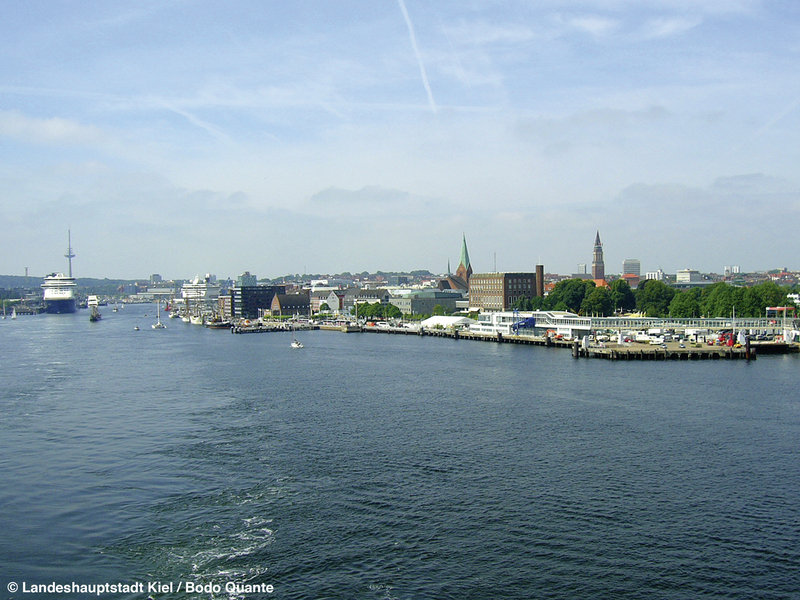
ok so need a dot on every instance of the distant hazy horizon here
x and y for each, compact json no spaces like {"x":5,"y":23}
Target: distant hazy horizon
{"x":281,"y":137}
{"x":232,"y":276}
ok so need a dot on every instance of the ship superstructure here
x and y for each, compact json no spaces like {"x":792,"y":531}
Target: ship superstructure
{"x":59,"y":289}
{"x":200,"y":295}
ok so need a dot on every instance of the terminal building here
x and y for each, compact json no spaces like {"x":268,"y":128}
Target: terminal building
{"x":541,"y":323}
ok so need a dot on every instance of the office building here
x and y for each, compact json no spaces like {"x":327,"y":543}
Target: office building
{"x":499,"y":291}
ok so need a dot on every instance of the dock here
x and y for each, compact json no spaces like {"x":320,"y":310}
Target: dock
{"x":671,"y":351}
{"x":633,"y":351}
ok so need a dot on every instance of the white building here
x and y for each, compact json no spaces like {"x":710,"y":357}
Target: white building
{"x":537,"y":322}
{"x":688,"y":276}
{"x":657,"y":275}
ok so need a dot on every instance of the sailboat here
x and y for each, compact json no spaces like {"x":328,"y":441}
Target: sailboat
{"x":158,"y":324}
{"x":186,"y":318}
{"x":94,"y":315}
{"x":295,"y":342}
{"x":14,"y":313}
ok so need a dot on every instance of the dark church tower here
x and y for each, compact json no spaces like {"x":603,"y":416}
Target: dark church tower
{"x":598,"y":267}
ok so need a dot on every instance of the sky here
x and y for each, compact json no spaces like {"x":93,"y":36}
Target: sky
{"x":183,"y":138}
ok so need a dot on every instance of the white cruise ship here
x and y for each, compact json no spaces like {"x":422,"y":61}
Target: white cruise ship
{"x":59,"y":289}
{"x":59,"y":293}
{"x":200,"y":295}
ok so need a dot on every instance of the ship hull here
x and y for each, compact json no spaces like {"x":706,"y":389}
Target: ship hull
{"x":60,"y":307}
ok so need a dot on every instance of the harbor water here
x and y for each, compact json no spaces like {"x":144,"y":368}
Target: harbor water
{"x":387,"y":467}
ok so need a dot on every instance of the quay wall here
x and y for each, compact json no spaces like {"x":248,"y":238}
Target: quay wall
{"x":611,"y":351}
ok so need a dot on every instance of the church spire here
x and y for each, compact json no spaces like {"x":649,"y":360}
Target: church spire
{"x":464,"y":269}
{"x":464,"y":253}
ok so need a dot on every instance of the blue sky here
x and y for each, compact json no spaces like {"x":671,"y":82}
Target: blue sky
{"x":282,"y":137}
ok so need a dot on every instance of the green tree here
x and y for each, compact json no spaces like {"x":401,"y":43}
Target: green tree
{"x":526,"y":303}
{"x":686,"y":304}
{"x":379,"y":310}
{"x":392,"y":312}
{"x":597,"y":302}
{"x":756,"y":299}
{"x":438,"y":310}
{"x":770,"y":294}
{"x":653,"y":298}
{"x":324,"y":307}
{"x":622,"y":296}
{"x":522,"y":303}
{"x":719,"y":299}
{"x":569,"y":293}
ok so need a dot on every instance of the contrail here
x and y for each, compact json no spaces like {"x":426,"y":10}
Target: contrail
{"x":422,"y":72}
{"x":208,"y":128}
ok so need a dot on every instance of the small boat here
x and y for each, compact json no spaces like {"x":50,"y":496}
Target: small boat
{"x":218,"y":324}
{"x":136,"y":328}
{"x":295,"y":342}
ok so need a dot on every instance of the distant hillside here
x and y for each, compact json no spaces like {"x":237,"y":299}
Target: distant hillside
{"x":85,"y":284}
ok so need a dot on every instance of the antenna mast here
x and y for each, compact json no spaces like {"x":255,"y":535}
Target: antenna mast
{"x":69,"y":255}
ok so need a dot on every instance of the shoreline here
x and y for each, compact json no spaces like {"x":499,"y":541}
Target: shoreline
{"x":608,"y":351}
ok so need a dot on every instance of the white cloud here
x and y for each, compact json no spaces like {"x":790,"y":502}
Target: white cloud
{"x":484,"y":33}
{"x":669,"y":26}
{"x":53,"y":130}
{"x":595,"y":25}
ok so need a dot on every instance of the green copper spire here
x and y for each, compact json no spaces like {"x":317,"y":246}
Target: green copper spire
{"x":464,"y":253}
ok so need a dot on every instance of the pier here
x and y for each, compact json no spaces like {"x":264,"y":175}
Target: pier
{"x":633,"y":351}
{"x":670,"y":351}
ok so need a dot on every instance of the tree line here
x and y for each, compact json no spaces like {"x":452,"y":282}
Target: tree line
{"x":654,"y":298}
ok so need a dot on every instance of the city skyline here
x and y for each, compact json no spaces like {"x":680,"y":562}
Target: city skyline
{"x":355,"y":136}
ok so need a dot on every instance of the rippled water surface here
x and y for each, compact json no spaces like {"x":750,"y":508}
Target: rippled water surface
{"x":390,"y":467}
